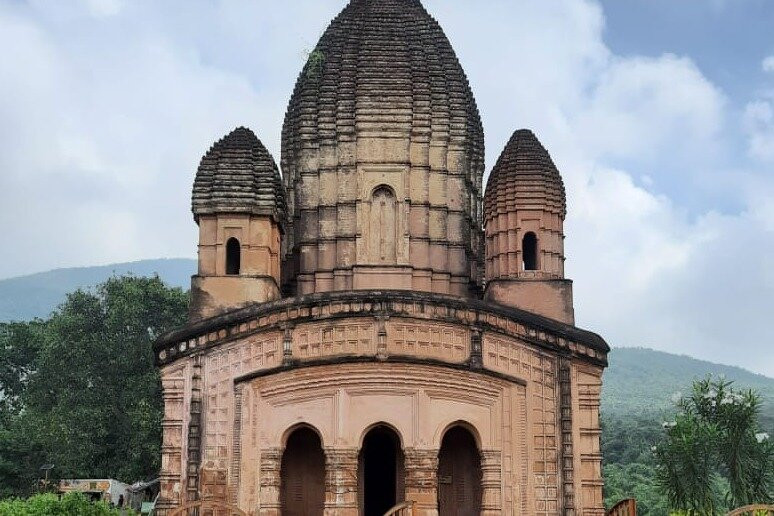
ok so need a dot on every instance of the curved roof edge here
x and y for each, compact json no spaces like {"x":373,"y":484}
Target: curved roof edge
{"x":380,"y":301}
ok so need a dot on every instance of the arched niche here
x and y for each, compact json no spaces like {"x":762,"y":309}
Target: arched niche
{"x":383,"y":226}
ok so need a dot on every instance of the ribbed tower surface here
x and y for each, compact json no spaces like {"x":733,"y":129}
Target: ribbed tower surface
{"x":383,"y":93}
{"x":524,"y":178}
{"x":238,"y":175}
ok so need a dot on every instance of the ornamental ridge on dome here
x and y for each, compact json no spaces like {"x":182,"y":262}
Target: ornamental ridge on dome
{"x":524,"y":178}
{"x":238,"y":175}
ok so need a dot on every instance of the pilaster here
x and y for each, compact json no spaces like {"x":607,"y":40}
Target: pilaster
{"x":422,"y":480}
{"x":194,"y":430}
{"x":341,"y":482}
{"x":270,"y":480}
{"x":491,"y":482}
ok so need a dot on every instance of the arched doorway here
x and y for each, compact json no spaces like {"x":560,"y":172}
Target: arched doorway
{"x":459,"y":474}
{"x":303,"y":475}
{"x":380,"y":472}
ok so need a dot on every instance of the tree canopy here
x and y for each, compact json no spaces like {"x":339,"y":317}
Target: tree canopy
{"x":714,"y":455}
{"x":80,"y":389}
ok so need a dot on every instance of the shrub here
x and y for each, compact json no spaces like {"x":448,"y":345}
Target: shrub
{"x":52,"y":505}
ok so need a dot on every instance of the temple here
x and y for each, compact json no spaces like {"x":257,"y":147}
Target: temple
{"x":371,"y":326}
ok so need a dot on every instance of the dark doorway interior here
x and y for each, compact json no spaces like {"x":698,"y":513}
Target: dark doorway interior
{"x":459,"y":474}
{"x":303,"y":475}
{"x":381,"y":472}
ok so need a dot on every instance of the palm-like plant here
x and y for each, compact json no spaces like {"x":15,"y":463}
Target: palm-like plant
{"x":713,"y":455}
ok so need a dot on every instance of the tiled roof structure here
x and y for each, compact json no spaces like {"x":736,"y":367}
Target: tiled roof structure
{"x":385,"y":69}
{"x":238,"y":175}
{"x":524,"y":177}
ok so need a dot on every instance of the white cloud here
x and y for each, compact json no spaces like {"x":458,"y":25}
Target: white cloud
{"x":106,"y":111}
{"x":104,"y":7}
{"x":768,"y":64}
{"x":641,"y":106}
{"x":759,"y":121}
{"x":647,"y":269}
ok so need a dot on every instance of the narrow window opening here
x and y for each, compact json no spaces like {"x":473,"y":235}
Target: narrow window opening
{"x":233,"y":257}
{"x":529,"y":249}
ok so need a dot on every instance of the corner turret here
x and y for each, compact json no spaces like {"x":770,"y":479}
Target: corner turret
{"x":524,"y":210}
{"x":239,"y":204}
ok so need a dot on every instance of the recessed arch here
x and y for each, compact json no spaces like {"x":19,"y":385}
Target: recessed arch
{"x":385,"y":424}
{"x":470,"y":427}
{"x":302,"y":474}
{"x":384,"y":226}
{"x":382,"y":186}
{"x":233,"y":257}
{"x":381,"y":471}
{"x":529,"y":251}
{"x":459,"y":473}
{"x":287,"y":433}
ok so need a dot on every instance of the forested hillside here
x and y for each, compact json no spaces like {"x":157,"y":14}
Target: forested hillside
{"x":638,"y":395}
{"x":643,"y":382}
{"x":27,"y":297}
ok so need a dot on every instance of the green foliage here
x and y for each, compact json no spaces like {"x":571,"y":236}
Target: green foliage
{"x":714,"y":455}
{"x":629,"y":440}
{"x":52,"y":505}
{"x":629,"y":469}
{"x":638,"y":481}
{"x":87,"y":395}
{"x":315,"y":63}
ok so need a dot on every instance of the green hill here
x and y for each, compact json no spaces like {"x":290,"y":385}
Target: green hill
{"x":27,"y":297}
{"x":643,"y":381}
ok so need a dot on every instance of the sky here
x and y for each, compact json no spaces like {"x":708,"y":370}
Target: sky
{"x":660,"y":115}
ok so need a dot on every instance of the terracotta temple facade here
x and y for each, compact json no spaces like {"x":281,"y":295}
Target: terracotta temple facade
{"x":371,"y":327}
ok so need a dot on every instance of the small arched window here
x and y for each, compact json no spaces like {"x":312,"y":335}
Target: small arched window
{"x":529,"y":250}
{"x":233,"y":257}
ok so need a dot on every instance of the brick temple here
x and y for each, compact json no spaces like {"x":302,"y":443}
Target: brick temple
{"x":372,"y":326}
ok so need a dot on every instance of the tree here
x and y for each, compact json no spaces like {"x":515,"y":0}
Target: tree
{"x":714,"y":456}
{"x":638,"y":481}
{"x":89,"y":400}
{"x":18,"y":341}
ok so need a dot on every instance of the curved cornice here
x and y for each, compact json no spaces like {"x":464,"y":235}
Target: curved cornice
{"x":285,"y":313}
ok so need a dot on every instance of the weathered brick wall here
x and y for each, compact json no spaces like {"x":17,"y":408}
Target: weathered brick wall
{"x":411,"y":365}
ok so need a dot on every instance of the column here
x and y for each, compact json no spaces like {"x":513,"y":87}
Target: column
{"x":422,"y":480}
{"x":271,"y":461}
{"x":341,"y":481}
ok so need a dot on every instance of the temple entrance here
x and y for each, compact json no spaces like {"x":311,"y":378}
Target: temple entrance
{"x":303,"y":475}
{"x":459,"y":474}
{"x":380,"y":472}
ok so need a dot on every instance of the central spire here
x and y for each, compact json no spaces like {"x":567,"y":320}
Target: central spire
{"x":383,"y":158}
